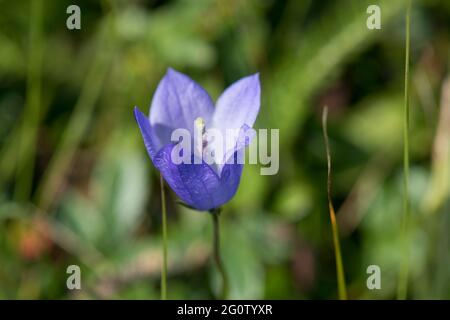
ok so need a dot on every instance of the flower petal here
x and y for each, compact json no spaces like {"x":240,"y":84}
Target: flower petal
{"x":229,"y":180}
{"x":170,"y":173}
{"x":146,"y":132}
{"x":233,"y":142}
{"x":197,"y":184}
{"x":239,"y":104}
{"x":177,"y":102}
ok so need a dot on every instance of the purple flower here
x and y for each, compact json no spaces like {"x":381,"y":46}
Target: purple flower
{"x":179,"y":102}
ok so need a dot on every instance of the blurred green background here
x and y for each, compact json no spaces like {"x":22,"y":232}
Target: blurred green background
{"x":77,"y":187}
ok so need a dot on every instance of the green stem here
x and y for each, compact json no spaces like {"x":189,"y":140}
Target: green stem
{"x":215,"y":215}
{"x":402,"y":289}
{"x":334,"y":227}
{"x":164,"y":235}
{"x":30,"y":125}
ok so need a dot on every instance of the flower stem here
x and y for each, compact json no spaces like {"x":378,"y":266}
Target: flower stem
{"x":215,"y":215}
{"x":402,"y":289}
{"x":164,"y":235}
{"x":334,"y":227}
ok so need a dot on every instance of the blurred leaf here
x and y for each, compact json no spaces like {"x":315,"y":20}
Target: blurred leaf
{"x":121,"y":184}
{"x":332,"y":40}
{"x":120,"y":189}
{"x":294,"y":201}
{"x":376,"y":123}
{"x":82,"y":217}
{"x":11,"y":58}
{"x":243,"y":266}
{"x":382,"y":237}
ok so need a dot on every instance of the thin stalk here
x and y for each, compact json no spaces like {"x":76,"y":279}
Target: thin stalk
{"x":28,"y":132}
{"x":217,"y":259}
{"x":342,"y":290}
{"x":164,"y":235}
{"x":402,"y":289}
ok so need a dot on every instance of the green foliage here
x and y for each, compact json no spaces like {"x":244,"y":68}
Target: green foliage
{"x":77,"y":187}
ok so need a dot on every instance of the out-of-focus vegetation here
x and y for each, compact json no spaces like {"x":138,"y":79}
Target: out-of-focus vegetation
{"x":77,"y":187}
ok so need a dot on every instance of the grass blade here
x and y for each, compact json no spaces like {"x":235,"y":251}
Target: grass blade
{"x":334,"y":227}
{"x":402,"y":288}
